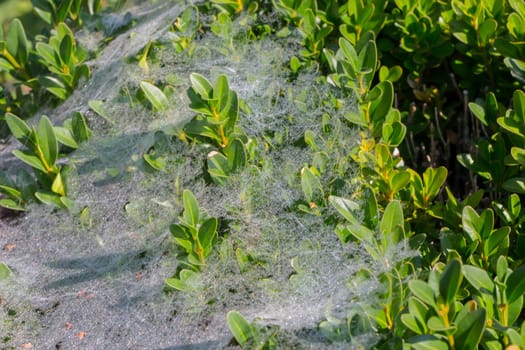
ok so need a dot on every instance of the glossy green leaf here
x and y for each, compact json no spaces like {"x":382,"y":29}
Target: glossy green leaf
{"x":201,"y":86}
{"x":99,"y":108}
{"x":11,"y":204}
{"x":433,"y":179}
{"x":311,"y":185}
{"x":16,"y":41}
{"x":65,"y":137}
{"x":518,"y":154}
{"x":471,"y":222}
{"x":478,"y":278}
{"x":423,"y":291}
{"x":80,"y":128}
{"x":58,"y":185}
{"x":427,"y":342}
{"x":412,"y":323}
{"x":392,"y":74}
{"x":496,"y":241}
{"x":191,"y":212}
{"x":470,"y":330}
{"x":345,"y":207}
{"x":436,"y":324}
{"x":218,"y":167}
{"x":66,"y":49}
{"x":19,"y":128}
{"x":450,"y":281}
{"x":156,"y":162}
{"x":515,"y":284}
{"x":241,"y":330}
{"x":208,"y":234}
{"x":518,"y":99}
{"x":516,"y":185}
{"x":392,"y":218}
{"x":155,"y":96}
{"x":30,"y":159}
{"x":47,"y":141}
{"x":487,"y":30}
{"x":236,"y":155}
{"x":54,"y":86}
{"x":49,"y":198}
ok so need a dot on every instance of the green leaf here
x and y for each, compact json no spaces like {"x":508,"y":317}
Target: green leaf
{"x":66,"y":49}
{"x":191,"y":214}
{"x":65,"y":137}
{"x":5,"y":272}
{"x":496,"y":241}
{"x":515,"y":284}
{"x":478,"y":278}
{"x":11,"y":204}
{"x":470,"y":329}
{"x":49,"y":198}
{"x":516,"y":185}
{"x":344,"y":207}
{"x":80,"y":128}
{"x":19,"y":128}
{"x":450,"y":281}
{"x":241,"y":330}
{"x":30,"y":159}
{"x":392,"y":219}
{"x":155,"y":96}
{"x":392,"y":74}
{"x":218,"y":167}
{"x":156,"y":162}
{"x":98,"y":107}
{"x":518,"y":154}
{"x":181,"y":237}
{"x":54,"y":86}
{"x":349,"y":54}
{"x":16,"y":41}
{"x":433,"y":179}
{"x":235,"y":154}
{"x":518,"y":99}
{"x":427,"y":342}
{"x":58,"y":186}
{"x":370,"y":208}
{"x":514,"y":310}
{"x":471,"y":221}
{"x":311,"y":185}
{"x":393,"y":133}
{"x":412,"y":323}
{"x":487,"y":30}
{"x":436,"y":324}
{"x":47,"y":141}
{"x":201,"y":86}
{"x":208,"y":233}
{"x":423,"y":291}
{"x":399,"y":181}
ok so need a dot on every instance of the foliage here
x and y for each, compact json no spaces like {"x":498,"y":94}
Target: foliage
{"x":195,"y":235}
{"x":216,"y":126}
{"x":250,"y":335}
{"x":41,"y":153}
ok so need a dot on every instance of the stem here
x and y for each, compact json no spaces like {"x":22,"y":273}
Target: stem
{"x":224,"y":139}
{"x":15,"y":64}
{"x":443,"y":312}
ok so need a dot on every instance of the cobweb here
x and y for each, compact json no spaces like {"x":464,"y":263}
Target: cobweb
{"x":94,"y":278}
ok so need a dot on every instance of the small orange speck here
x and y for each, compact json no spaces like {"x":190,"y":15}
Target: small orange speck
{"x":27,"y":346}
{"x":9,"y":247}
{"x":81,"y":335}
{"x":69,"y":325}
